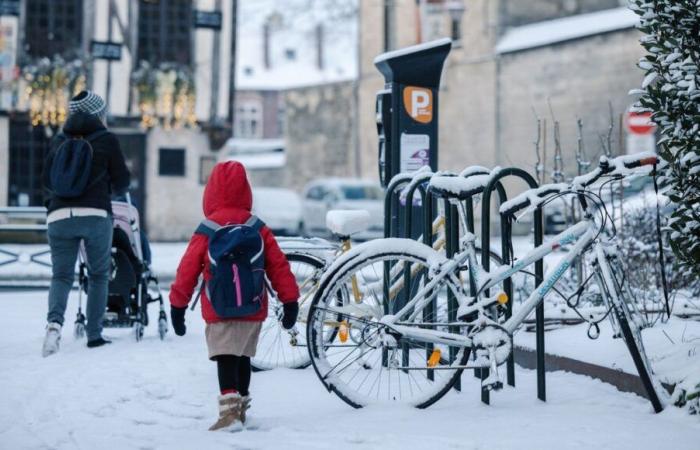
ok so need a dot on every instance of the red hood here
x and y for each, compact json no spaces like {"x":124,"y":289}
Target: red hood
{"x":227,"y":188}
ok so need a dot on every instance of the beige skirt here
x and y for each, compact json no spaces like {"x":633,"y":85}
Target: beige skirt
{"x":233,"y":337}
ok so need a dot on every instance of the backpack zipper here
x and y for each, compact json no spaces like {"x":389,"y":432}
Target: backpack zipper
{"x":237,"y":283}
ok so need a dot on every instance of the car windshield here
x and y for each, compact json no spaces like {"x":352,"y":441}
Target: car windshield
{"x":361,"y":192}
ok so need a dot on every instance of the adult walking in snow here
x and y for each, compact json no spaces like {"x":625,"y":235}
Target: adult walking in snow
{"x":233,"y":259}
{"x":84,"y":167}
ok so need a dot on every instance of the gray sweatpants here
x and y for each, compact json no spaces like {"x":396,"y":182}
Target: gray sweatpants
{"x":64,"y":239}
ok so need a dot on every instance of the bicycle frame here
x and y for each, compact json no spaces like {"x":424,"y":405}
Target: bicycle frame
{"x":581,"y":235}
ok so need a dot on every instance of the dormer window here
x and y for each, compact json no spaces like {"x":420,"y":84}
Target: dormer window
{"x":290,"y":54}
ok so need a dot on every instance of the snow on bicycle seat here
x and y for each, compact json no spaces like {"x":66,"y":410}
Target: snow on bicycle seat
{"x":453,"y":186}
{"x":346,"y":222}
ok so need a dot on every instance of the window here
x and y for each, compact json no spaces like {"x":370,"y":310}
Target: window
{"x":315,"y":193}
{"x":249,"y":120}
{"x":206,"y":165}
{"x":456,"y":32}
{"x":281,"y":117}
{"x":290,"y":54}
{"x":165,"y":31}
{"x":361,"y":193}
{"x":53,"y":27}
{"x":171,"y":162}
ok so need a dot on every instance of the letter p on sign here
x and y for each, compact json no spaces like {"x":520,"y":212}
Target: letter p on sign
{"x":418,"y":103}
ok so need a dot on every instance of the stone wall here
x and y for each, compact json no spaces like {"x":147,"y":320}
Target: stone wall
{"x":580,"y":79}
{"x":320,"y":132}
{"x":174,"y":204}
{"x":271,"y":123}
{"x":520,"y":12}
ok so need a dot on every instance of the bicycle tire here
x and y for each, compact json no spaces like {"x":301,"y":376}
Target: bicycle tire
{"x":631,"y":333}
{"x":271,"y":325}
{"x":331,"y":282}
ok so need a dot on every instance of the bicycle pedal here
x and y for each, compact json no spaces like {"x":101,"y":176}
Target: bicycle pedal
{"x":491,"y":386}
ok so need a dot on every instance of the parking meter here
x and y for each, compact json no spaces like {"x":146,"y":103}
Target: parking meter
{"x":407,"y":108}
{"x":383,"y":110}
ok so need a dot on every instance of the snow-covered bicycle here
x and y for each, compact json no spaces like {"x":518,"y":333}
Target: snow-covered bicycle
{"x":309,"y":259}
{"x":415,"y":327}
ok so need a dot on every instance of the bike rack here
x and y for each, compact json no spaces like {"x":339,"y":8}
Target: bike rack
{"x":506,"y":241}
{"x":397,"y":208}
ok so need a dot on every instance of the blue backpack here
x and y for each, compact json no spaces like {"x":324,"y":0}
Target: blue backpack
{"x":237,"y":267}
{"x":69,"y":174}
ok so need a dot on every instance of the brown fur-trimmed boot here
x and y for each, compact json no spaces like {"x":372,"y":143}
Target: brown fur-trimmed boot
{"x":229,"y":412}
{"x":245,"y":406}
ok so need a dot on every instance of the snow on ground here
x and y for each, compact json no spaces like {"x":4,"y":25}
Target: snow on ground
{"x":161,"y":395}
{"x":673,"y":347}
{"x":166,"y":257}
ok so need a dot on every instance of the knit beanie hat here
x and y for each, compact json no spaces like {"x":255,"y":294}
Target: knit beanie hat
{"x":88,"y":102}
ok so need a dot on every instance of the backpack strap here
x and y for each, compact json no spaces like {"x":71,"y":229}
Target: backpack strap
{"x":96,"y":134}
{"x":207,"y":228}
{"x":255,"y":223}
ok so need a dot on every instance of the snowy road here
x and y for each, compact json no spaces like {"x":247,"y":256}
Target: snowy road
{"x":161,"y":395}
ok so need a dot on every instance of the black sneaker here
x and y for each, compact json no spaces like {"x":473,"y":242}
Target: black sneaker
{"x":99,"y":342}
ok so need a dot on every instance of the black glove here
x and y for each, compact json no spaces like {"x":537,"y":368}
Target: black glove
{"x":177,"y":317}
{"x":289,"y":318}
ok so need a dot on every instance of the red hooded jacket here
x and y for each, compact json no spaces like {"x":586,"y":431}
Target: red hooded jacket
{"x":228,"y":200}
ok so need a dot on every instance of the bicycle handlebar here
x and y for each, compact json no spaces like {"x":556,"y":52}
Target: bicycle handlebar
{"x":610,"y":167}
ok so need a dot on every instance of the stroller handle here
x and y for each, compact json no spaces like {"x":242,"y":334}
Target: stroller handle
{"x":135,"y":227}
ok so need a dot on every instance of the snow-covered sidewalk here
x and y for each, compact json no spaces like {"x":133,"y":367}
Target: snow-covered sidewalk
{"x":161,"y":395}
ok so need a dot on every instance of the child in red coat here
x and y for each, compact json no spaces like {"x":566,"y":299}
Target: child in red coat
{"x":228,"y":200}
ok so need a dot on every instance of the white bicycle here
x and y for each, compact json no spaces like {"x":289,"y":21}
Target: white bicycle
{"x":414,"y":327}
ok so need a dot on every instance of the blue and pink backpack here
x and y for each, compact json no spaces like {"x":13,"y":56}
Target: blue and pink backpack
{"x":237,"y":267}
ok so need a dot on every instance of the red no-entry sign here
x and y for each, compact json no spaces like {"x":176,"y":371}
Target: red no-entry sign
{"x":640,"y":123}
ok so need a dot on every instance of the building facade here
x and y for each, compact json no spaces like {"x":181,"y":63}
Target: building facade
{"x":166,"y":70}
{"x":296,"y":90}
{"x":512,"y":62}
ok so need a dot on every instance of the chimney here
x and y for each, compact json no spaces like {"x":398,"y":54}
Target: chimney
{"x":319,"y":46}
{"x":266,"y":44}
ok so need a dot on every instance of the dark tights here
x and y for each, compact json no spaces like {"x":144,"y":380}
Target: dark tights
{"x":234,"y":373}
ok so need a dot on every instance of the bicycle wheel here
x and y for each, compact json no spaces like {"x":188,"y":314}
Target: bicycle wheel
{"x":613,"y":282}
{"x":275,"y":345}
{"x":367,"y":363}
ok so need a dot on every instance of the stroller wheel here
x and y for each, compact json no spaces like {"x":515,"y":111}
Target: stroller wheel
{"x":162,"y":324}
{"x":162,"y":328}
{"x":79,"y":327}
{"x":138,"y":331}
{"x":79,"y":330}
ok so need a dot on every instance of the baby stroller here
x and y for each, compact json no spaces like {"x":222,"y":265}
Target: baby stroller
{"x":132,"y":285}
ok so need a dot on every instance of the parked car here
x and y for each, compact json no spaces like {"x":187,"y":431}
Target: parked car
{"x":279,"y":208}
{"x":323,"y":195}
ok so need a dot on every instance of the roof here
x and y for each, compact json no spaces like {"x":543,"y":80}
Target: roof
{"x":256,"y":153}
{"x":293,"y":46}
{"x":565,"y":29}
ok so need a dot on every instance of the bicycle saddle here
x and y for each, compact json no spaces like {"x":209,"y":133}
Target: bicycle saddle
{"x":345,"y":223}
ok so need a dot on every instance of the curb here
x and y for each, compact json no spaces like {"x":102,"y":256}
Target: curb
{"x":623,"y":381}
